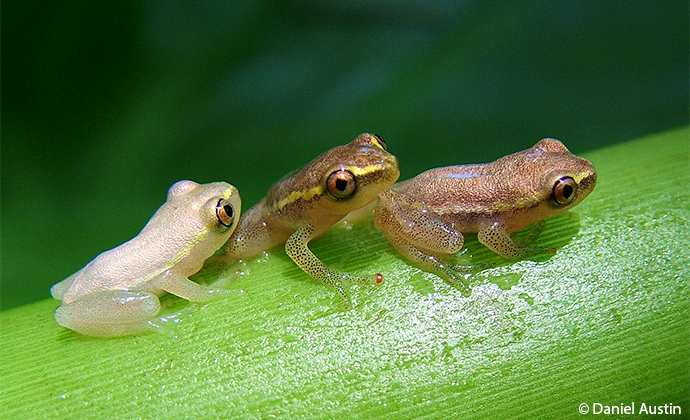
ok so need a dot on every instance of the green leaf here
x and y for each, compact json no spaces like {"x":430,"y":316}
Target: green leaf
{"x":603,"y":321}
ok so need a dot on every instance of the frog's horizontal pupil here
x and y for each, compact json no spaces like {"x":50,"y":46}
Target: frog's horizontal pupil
{"x":228,"y":210}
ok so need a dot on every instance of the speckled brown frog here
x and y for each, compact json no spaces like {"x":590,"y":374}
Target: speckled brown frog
{"x":424,"y":217}
{"x":308,"y":201}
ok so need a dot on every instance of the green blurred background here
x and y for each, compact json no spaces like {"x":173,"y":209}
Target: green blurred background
{"x":105,"y":105}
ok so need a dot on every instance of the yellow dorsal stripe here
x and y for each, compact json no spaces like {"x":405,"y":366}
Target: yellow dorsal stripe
{"x":319,"y":190}
{"x":297,"y":195}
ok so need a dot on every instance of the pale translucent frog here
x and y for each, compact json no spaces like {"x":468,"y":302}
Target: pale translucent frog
{"x":117,"y":293}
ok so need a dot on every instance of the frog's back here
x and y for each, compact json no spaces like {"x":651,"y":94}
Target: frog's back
{"x":517,"y":187}
{"x":454,"y":189}
{"x":159,"y":246}
{"x":127,"y":267}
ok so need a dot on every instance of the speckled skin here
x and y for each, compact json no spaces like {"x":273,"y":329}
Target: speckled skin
{"x":299,"y":208}
{"x":424,"y":217}
{"x":117,"y":293}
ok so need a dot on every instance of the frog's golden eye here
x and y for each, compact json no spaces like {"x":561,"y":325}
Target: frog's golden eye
{"x":225,"y":212}
{"x":341,"y":184}
{"x":564,"y":190}
{"x":381,"y":141}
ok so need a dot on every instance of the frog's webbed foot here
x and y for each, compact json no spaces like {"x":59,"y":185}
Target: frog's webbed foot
{"x":452,"y":273}
{"x":110,"y":313}
{"x":401,"y":215}
{"x":334,"y":280}
{"x":498,"y":240}
{"x":467,"y":268}
{"x":296,"y":247}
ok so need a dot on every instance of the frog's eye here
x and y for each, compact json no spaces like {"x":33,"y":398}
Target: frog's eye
{"x":225,"y":212}
{"x":341,"y":184}
{"x":381,"y":141}
{"x":564,"y":190}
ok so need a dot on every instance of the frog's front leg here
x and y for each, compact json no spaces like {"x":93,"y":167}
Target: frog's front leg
{"x":109,"y":314}
{"x":297,"y":248}
{"x":179,"y":285}
{"x":497,"y":239}
{"x":400,"y":214}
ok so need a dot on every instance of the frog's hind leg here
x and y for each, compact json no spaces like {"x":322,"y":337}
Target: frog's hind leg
{"x":109,"y":314}
{"x":422,"y":236}
{"x":401,"y":215}
{"x":433,"y":262}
